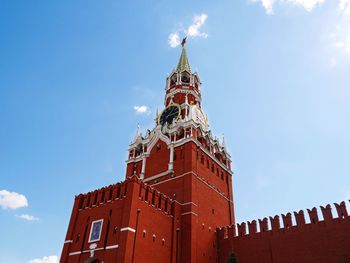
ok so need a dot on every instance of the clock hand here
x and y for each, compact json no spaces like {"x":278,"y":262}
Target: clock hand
{"x":172,"y":115}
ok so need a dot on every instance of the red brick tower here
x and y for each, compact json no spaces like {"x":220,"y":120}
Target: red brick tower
{"x":181,"y":159}
{"x":178,"y":190}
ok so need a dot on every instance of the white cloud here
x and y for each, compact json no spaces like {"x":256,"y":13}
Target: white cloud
{"x":174,"y":40}
{"x":308,"y":5}
{"x":49,"y":259}
{"x":344,"y":5}
{"x":268,"y":5}
{"x":341,"y":37}
{"x":198,"y":22}
{"x":27,"y":217}
{"x":142,"y":109}
{"x":340,"y":44}
{"x":193,"y":30}
{"x":12,"y":200}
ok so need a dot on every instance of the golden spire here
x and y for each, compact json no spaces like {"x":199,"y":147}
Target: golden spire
{"x":183,"y":62}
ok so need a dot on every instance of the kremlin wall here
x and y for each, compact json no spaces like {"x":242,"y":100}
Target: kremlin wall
{"x":326,"y":240}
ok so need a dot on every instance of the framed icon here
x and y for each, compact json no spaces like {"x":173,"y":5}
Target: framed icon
{"x":95,"y":231}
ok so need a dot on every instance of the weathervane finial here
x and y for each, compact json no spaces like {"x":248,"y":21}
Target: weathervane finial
{"x":183,"y":43}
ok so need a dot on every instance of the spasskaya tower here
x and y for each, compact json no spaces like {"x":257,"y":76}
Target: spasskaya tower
{"x":177,"y":189}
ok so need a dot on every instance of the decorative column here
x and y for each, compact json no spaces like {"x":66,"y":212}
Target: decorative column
{"x":143,"y":169}
{"x":186,"y":107}
{"x":171,"y":161}
{"x":168,"y":82}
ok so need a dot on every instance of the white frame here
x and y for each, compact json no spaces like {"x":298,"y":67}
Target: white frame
{"x":92,"y":226}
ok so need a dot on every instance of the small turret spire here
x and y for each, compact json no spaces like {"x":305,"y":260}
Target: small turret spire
{"x":183,"y":62}
{"x":223,"y":142}
{"x":137,"y":134}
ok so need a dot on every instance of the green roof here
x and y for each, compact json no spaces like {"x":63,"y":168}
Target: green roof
{"x":183,"y":62}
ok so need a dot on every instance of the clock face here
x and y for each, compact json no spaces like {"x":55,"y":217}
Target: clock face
{"x":169,"y":115}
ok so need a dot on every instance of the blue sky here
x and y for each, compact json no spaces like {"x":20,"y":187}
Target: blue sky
{"x":77,"y":76}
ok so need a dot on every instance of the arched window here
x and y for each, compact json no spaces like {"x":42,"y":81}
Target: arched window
{"x":81,"y":202}
{"x":153,"y":197}
{"x":180,"y":134}
{"x":110,"y":194}
{"x":102,"y":197}
{"x":118,"y":191}
{"x":92,"y":260}
{"x":173,"y":79}
{"x":185,"y":77}
{"x":138,"y":150}
{"x":89,"y":199}
{"x":95,"y":199}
